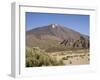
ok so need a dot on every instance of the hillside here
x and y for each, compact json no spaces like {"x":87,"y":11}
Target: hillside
{"x":55,"y":37}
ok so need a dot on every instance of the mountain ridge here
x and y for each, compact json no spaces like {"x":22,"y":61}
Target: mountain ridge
{"x":54,"y":35}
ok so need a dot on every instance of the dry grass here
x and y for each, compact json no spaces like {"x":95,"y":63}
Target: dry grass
{"x":35,"y":57}
{"x":73,"y":57}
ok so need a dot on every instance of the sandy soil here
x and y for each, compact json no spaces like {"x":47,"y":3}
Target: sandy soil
{"x":73,"y":57}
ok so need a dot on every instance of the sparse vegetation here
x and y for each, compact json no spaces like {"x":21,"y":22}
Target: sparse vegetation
{"x":73,"y":56}
{"x":65,"y":58}
{"x":36,"y":57}
{"x":55,"y":44}
{"x":70,"y":62}
{"x":56,"y":49}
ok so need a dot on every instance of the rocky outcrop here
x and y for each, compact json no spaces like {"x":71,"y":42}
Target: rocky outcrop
{"x":80,"y":43}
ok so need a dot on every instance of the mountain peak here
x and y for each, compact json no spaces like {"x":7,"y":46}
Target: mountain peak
{"x":54,"y":25}
{"x":55,"y":33}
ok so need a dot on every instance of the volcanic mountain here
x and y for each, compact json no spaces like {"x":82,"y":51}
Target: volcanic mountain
{"x":55,"y":36}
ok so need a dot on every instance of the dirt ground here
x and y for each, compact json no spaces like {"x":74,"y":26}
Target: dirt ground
{"x":73,"y":57}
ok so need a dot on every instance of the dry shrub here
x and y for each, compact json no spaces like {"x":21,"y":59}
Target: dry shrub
{"x":36,"y":57}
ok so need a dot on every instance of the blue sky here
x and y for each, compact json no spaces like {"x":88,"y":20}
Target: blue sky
{"x":78,"y":23}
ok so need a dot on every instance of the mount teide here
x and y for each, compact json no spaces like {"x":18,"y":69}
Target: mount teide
{"x":56,"y":37}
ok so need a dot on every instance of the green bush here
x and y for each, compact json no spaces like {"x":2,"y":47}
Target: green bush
{"x":36,"y":57}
